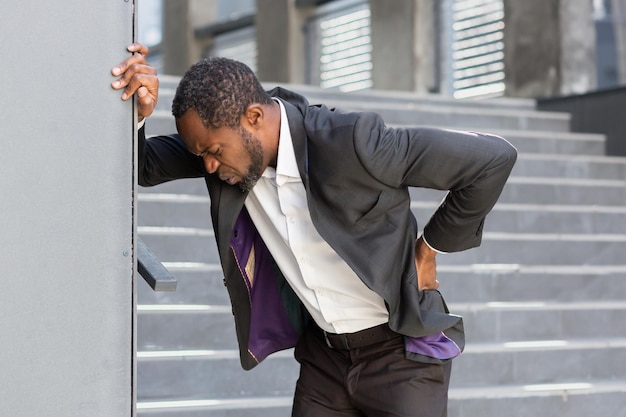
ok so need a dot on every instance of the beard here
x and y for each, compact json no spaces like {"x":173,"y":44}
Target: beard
{"x":254,"y":150}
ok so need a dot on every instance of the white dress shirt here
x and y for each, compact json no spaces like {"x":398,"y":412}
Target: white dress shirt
{"x":334,"y":295}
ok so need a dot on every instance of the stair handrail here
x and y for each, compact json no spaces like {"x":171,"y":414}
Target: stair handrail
{"x":152,"y":270}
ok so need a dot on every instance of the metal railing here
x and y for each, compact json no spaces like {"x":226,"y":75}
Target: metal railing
{"x":152,"y":270}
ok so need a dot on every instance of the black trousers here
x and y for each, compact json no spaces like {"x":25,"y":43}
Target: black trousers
{"x":371,"y":381}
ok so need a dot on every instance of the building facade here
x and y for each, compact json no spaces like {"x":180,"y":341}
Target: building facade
{"x":460,"y":48}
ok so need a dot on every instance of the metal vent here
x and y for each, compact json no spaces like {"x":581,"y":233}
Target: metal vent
{"x":342,"y":40}
{"x":477,"y":48}
{"x":239,"y":45}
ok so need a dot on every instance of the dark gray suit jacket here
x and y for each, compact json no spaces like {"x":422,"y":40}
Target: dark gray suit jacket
{"x":357,"y":172}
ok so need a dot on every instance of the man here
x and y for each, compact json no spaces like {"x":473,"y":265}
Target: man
{"x":318,"y":245}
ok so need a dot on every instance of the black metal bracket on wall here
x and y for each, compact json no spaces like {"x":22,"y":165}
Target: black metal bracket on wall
{"x":152,"y":270}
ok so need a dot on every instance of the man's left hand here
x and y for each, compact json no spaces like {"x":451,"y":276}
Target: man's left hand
{"x":137,"y":76}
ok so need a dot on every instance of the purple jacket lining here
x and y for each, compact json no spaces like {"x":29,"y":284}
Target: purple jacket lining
{"x":270,"y":328}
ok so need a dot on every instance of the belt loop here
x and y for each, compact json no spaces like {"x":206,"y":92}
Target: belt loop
{"x":326,"y":339}
{"x":344,"y":339}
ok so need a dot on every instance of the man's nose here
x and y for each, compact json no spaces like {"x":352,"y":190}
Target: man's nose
{"x":211,"y":164}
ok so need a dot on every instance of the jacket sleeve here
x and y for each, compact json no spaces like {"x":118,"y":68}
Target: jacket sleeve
{"x":472,"y":166}
{"x":165,"y":158}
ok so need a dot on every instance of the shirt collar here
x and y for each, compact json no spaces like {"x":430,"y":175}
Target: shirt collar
{"x":286,"y":164}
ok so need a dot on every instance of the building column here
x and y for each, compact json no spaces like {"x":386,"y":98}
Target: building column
{"x":180,"y":20}
{"x":578,"y":47}
{"x":281,"y":40}
{"x":393,"y":28}
{"x":404,"y":45}
{"x":426,"y":46}
{"x":177,"y":37}
{"x":619,"y":27}
{"x":549,"y":47}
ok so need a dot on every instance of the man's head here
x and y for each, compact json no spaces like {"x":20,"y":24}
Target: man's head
{"x":219,"y":90}
{"x":224,"y":116}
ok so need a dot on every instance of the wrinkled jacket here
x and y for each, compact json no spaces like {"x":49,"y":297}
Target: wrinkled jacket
{"x":356,"y":172}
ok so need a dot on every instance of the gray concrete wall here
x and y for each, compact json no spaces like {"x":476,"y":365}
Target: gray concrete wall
{"x":66,"y":204}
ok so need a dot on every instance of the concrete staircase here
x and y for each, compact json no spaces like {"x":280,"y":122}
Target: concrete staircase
{"x":543,"y":297}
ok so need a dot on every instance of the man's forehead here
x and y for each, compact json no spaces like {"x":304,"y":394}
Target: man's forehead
{"x":191,"y":130}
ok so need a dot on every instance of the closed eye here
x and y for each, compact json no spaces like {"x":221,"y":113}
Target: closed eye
{"x":203,"y":153}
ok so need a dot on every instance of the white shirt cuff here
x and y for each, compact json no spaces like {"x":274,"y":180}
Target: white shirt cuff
{"x":428,"y":244}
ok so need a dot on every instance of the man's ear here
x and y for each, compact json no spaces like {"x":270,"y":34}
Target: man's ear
{"x":254,"y":116}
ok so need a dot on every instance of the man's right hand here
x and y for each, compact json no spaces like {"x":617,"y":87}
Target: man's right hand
{"x":426,"y":264}
{"x":136,"y":76}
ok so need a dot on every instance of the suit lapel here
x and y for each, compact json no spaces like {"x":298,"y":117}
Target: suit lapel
{"x":228,"y":201}
{"x":299,"y":139}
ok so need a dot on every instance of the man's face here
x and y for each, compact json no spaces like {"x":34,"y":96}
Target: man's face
{"x":234,"y":154}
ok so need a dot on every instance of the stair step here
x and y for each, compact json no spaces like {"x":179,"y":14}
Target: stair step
{"x":173,"y":210}
{"x":213,"y":327}
{"x":546,"y":142}
{"x":557,"y":399}
{"x":483,"y":282}
{"x":571,"y":399}
{"x":220,"y":376}
{"x":197,"y":284}
{"x":550,"y":360}
{"x":185,"y":327}
{"x":527,"y":141}
{"x":540,"y":320}
{"x":276,"y":406}
{"x":526,"y":218}
{"x":415,"y":109}
{"x":450,"y":115}
{"x":187,"y":210}
{"x":542,"y":249}
{"x":570,"y":166}
{"x":192,"y":186}
{"x":167,"y":89}
{"x":198,"y":245}
{"x":193,"y":374}
{"x":549,"y":190}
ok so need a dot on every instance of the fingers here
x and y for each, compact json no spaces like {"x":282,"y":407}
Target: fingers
{"x":146,"y":102}
{"x":132,"y":67}
{"x":139,"y":48}
{"x":135,"y":64}
{"x":136,"y":76}
{"x":429,"y":286}
{"x":139,"y":54}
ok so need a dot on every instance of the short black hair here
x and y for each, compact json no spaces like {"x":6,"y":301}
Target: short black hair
{"x":219,"y":90}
